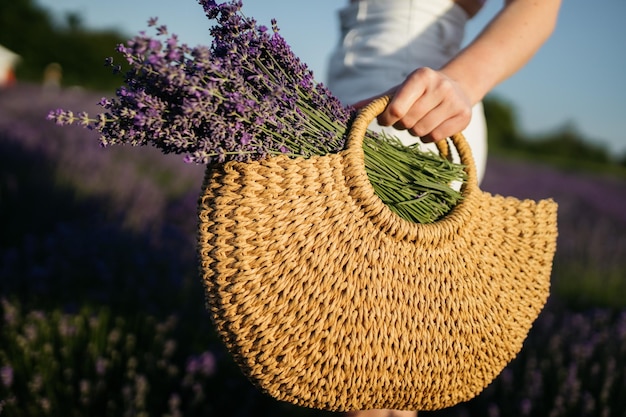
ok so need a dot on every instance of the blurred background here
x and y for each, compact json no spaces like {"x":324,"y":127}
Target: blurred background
{"x":574,"y":82}
{"x":102,"y":307}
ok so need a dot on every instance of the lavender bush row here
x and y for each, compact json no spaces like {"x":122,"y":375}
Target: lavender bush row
{"x":80,"y":225}
{"x":572,"y":364}
{"x":138,"y":185}
{"x":590,"y":260}
{"x":93,"y":363}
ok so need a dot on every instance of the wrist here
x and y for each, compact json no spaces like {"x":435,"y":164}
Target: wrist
{"x":474,"y":84}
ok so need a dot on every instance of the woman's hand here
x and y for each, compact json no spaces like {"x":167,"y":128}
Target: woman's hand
{"x":433,"y":105}
{"x":428,"y":104}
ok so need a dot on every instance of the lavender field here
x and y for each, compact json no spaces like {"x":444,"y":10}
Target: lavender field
{"x":102,"y":308}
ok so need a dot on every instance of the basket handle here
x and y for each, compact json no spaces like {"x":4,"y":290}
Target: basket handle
{"x":368,"y":113}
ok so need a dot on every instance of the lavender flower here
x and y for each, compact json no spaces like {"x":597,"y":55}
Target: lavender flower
{"x":101,"y":366}
{"x":203,"y":364}
{"x":246,"y":97}
{"x":6,"y":376}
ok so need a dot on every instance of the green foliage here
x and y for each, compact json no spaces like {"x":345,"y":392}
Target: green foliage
{"x":29,"y":31}
{"x":501,"y":123}
{"x":398,"y":173}
{"x":79,"y":357}
{"x":564,"y":146}
{"x":95,"y":363}
{"x":582,"y":285}
{"x":566,"y":142}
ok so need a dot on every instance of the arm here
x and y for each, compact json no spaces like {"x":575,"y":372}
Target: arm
{"x":436,"y":104}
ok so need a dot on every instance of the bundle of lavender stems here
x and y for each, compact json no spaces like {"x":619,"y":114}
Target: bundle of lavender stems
{"x":247,"y":97}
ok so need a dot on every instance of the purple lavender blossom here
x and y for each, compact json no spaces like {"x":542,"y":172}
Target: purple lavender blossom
{"x":245,"y":97}
{"x":203,"y":364}
{"x":6,"y":376}
{"x":101,"y":366}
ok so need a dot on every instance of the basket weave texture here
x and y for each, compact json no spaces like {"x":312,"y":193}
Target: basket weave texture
{"x":327,"y":299}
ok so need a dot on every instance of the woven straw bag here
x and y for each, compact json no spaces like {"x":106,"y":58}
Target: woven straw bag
{"x":327,"y":299}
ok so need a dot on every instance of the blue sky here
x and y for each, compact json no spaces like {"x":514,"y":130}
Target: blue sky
{"x":577,"y":78}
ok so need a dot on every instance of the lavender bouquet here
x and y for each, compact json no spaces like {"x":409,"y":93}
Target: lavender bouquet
{"x":248,"y":97}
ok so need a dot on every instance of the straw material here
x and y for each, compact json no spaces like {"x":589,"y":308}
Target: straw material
{"x":327,"y":299}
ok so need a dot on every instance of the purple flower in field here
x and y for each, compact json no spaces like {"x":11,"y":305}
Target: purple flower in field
{"x":31,"y":333}
{"x":6,"y":376}
{"x":169,"y":348}
{"x":203,"y":364}
{"x":526,"y":407}
{"x":10,"y":312}
{"x":66,"y":328}
{"x":101,"y":366}
{"x":493,"y":410}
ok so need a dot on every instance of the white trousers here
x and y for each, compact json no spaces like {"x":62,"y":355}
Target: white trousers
{"x":383,"y":41}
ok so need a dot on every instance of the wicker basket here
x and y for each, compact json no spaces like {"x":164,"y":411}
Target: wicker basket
{"x":327,"y":299}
